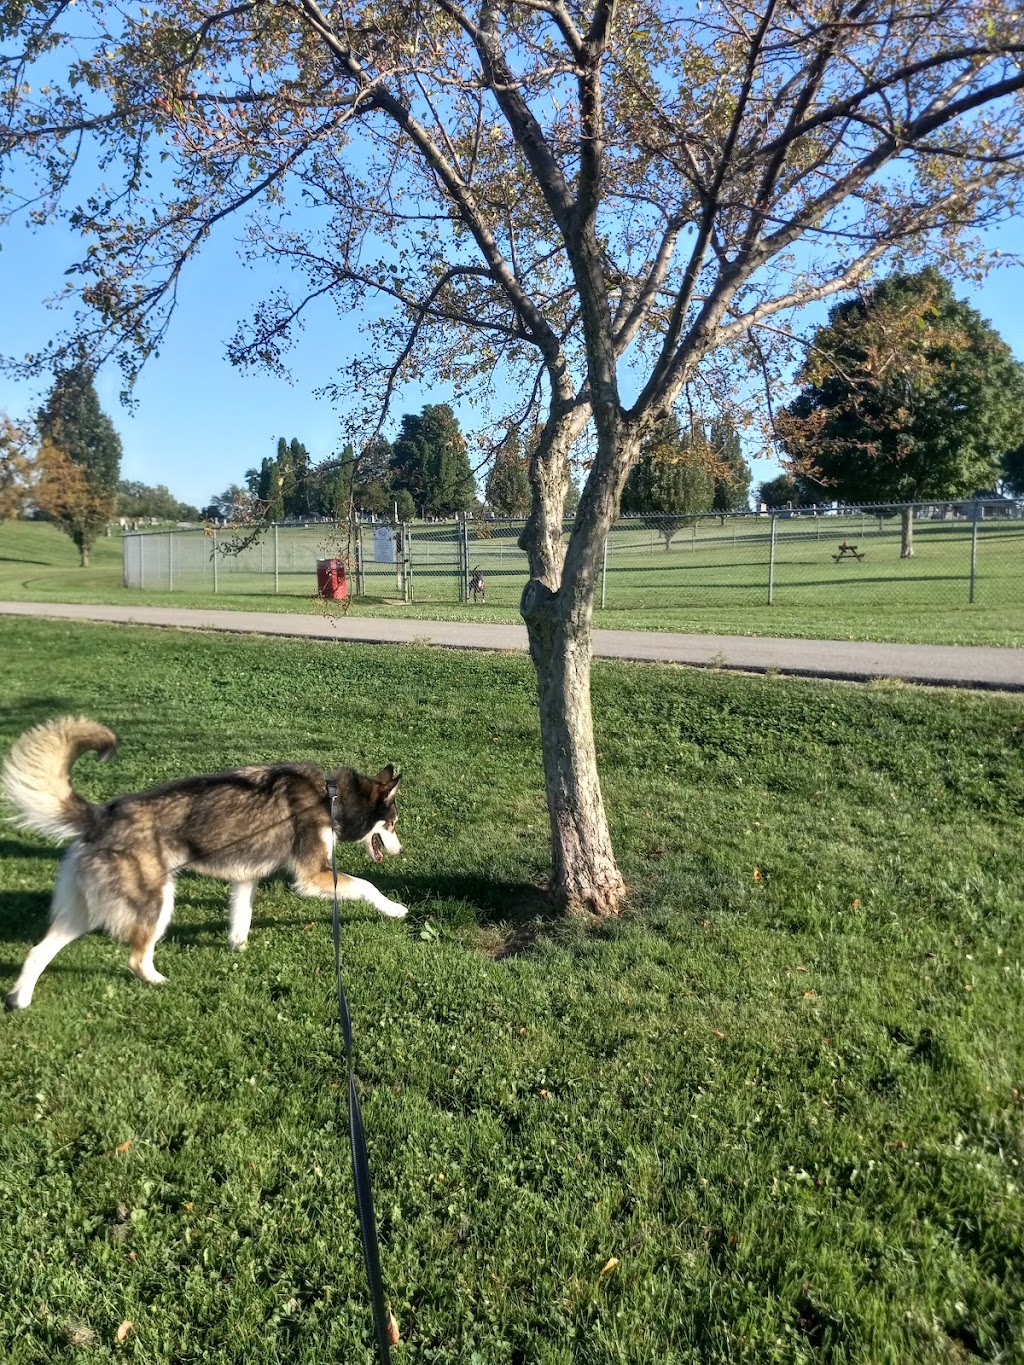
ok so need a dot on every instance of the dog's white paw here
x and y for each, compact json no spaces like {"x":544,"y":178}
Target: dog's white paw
{"x":238,"y":945}
{"x":393,"y":910}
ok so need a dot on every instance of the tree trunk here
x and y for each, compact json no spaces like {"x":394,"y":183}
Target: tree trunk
{"x":84,"y":552}
{"x":907,"y":541}
{"x":585,"y":878}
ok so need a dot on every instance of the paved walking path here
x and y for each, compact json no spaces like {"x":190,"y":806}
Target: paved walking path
{"x":948,"y":665}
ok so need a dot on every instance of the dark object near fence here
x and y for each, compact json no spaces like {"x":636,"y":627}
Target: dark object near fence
{"x":476,"y":585}
{"x":847,"y":551}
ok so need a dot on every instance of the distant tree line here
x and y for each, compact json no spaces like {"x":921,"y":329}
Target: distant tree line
{"x":424,"y":472}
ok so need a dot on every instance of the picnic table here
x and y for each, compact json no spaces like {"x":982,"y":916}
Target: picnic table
{"x":847,"y":551}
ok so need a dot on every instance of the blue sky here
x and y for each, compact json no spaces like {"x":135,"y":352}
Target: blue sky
{"x":199,"y":423}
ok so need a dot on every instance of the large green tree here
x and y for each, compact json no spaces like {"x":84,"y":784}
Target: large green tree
{"x":672,"y":479}
{"x":601,"y":203}
{"x":907,"y":394}
{"x":430,"y":461}
{"x":782,"y":491}
{"x":1012,"y":470}
{"x":508,"y":482}
{"x":73,"y":425}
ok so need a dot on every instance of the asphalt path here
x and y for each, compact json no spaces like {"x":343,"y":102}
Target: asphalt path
{"x":858,"y":661}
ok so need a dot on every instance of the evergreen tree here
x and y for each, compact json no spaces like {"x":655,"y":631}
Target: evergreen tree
{"x":331,"y":485}
{"x":404,"y":507}
{"x":268,"y":491}
{"x":431,"y":462}
{"x":508,"y":488}
{"x":731,"y":473}
{"x":671,"y":479}
{"x":908,"y":394}
{"x":301,"y":500}
{"x":374,"y":477}
{"x":73,"y":425}
{"x":409,"y":459}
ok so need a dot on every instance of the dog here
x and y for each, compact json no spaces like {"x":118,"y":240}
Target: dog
{"x":118,"y":874}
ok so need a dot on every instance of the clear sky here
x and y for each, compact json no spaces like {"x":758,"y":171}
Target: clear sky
{"x":199,"y":423}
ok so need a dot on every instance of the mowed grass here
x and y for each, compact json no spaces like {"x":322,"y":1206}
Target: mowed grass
{"x":771,"y":1114}
{"x":714,"y":582}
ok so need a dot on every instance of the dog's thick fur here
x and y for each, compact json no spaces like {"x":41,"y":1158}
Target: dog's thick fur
{"x":118,"y":874}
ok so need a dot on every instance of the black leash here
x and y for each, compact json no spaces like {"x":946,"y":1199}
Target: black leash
{"x":357,"y":1136}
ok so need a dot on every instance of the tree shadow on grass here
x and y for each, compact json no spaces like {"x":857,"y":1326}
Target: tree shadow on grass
{"x":21,"y":848}
{"x":23,"y":915}
{"x":29,"y":711}
{"x":509,"y":915}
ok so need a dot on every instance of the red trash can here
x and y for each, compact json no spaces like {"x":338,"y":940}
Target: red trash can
{"x":330,"y":579}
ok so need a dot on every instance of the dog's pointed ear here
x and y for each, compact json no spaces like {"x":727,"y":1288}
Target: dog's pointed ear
{"x":387,"y":777}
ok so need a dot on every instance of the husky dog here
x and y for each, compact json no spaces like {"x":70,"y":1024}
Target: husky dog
{"x":118,"y":874}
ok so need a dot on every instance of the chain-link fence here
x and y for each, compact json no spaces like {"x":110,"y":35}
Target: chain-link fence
{"x":962,"y":552}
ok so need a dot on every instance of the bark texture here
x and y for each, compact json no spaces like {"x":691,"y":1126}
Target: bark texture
{"x":585,"y":877}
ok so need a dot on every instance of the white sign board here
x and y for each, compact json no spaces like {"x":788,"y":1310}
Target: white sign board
{"x":383,"y":545}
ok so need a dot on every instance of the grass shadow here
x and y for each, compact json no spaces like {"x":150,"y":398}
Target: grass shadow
{"x":508,"y":917}
{"x":23,"y":915}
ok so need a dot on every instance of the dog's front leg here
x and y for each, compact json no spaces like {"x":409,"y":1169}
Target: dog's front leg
{"x":350,"y":889}
{"x":240,"y":911}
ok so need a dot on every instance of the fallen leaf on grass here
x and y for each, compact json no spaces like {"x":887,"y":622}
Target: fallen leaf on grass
{"x":718,"y":1033}
{"x":808,"y":995}
{"x":394,"y":1336}
{"x":757,"y":875}
{"x":124,"y":1329}
{"x":610,"y":1264}
{"x":124,"y":1146}
{"x":855,"y":903}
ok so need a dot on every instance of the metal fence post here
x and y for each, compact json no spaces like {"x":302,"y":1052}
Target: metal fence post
{"x":771,"y":564}
{"x":170,"y":561}
{"x":974,"y":550}
{"x":604,"y":570}
{"x":277,"y":562}
{"x":215,"y":559}
{"x":465,"y":559}
{"x":410,"y":591}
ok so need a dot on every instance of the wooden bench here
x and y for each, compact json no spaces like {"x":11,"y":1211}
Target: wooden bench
{"x":847,"y":551}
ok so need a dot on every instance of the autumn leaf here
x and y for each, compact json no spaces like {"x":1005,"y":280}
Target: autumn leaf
{"x":718,"y":1033}
{"x":609,"y":1265}
{"x":124,"y":1329}
{"x":394,"y":1336}
{"x":757,"y":875}
{"x":124,"y":1146}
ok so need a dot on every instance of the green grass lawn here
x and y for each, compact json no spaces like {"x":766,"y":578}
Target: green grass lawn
{"x":782,"y":1094}
{"x":706,"y":584}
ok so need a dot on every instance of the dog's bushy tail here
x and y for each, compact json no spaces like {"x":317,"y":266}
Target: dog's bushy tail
{"x":36,"y":777}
